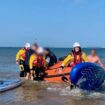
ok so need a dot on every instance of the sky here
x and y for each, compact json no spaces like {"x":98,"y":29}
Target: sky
{"x":52,"y":23}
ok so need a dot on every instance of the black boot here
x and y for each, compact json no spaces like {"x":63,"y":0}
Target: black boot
{"x":72,"y":86}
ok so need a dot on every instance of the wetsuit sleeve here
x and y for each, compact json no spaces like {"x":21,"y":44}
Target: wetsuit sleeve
{"x":19,"y":53}
{"x":84,"y":57}
{"x":67,"y":60}
{"x":55,"y":58}
{"x":32,"y":58}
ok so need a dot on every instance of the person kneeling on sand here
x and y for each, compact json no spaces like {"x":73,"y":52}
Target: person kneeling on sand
{"x":37,"y":65}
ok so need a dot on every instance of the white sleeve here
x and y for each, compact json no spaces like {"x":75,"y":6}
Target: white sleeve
{"x":48,"y":60}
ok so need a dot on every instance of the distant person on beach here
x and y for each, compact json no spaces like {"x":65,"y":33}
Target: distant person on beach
{"x":22,"y":59}
{"x":50,"y":57}
{"x":94,"y":58}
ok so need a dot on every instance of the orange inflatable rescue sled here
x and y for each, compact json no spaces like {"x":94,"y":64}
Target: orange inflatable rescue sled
{"x":54,"y":75}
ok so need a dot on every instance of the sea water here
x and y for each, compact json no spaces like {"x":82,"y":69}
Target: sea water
{"x":34,"y":93}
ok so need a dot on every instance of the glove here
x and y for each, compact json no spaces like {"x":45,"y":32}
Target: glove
{"x":21,"y":67}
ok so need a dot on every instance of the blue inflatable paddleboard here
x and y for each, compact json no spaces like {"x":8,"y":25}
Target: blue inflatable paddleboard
{"x":87,"y":76}
{"x":9,"y":84}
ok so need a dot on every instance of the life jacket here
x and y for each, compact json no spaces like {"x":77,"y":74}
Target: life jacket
{"x":39,"y":62}
{"x":77,"y":58}
{"x":23,"y":56}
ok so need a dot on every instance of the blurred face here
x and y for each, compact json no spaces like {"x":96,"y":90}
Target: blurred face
{"x":77,"y":49}
{"x":46,"y":52}
{"x":34,"y":48}
{"x":27,"y":48}
{"x":93,"y":52}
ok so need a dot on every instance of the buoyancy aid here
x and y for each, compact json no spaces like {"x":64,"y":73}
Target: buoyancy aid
{"x":39,"y":62}
{"x":23,"y":56}
{"x":77,"y":58}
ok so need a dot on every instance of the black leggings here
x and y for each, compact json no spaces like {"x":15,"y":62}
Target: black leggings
{"x":22,"y":73}
{"x":40,"y":74}
{"x":24,"y":68}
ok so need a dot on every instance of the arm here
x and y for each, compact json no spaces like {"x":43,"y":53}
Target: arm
{"x":100,"y":62}
{"x":18,"y":55}
{"x":47,"y":60}
{"x":32,"y":58}
{"x":84,"y":57}
{"x":67,"y":60}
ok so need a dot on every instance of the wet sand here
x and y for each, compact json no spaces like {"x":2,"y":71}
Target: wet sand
{"x":31,"y":93}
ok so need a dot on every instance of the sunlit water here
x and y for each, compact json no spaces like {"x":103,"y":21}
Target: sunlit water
{"x":34,"y":93}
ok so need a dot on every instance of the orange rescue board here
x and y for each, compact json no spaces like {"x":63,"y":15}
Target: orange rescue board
{"x":54,"y":75}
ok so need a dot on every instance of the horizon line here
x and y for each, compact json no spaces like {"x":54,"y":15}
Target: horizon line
{"x":45,"y":47}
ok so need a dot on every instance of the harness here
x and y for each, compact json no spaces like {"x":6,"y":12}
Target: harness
{"x":24,"y":55}
{"x":39,"y":62}
{"x":77,"y":58}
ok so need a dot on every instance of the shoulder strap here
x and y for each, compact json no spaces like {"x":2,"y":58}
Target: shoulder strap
{"x":74,"y":56}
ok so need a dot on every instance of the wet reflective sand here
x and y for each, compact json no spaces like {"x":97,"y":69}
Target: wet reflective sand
{"x":31,"y":93}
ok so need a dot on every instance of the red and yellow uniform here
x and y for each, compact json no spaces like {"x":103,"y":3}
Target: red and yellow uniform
{"x":20,"y":58}
{"x":32,"y":60}
{"x":36,"y":61}
{"x":21,"y":55}
{"x":74,"y":59}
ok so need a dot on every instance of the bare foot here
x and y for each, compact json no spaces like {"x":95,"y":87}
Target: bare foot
{"x":32,"y":78}
{"x":26,"y":78}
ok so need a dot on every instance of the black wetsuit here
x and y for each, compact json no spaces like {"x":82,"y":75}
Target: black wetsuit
{"x":51,"y":59}
{"x":40,"y":73}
